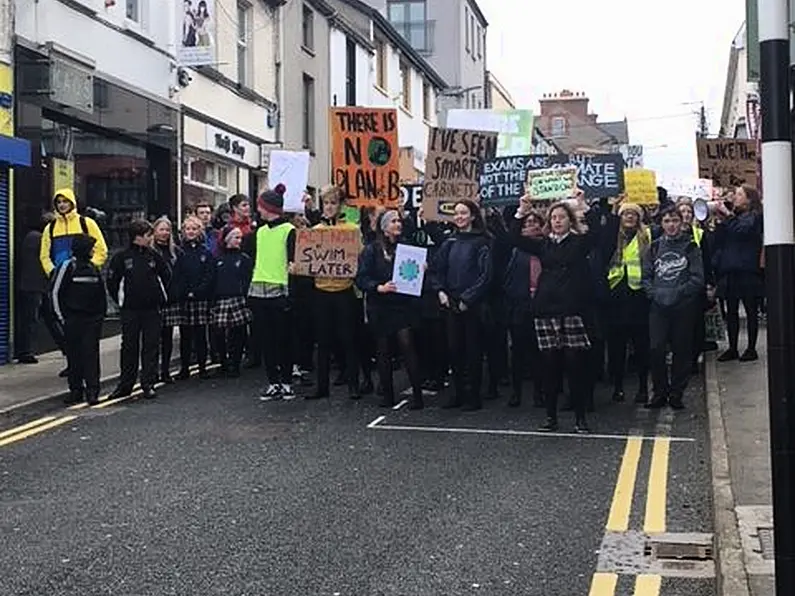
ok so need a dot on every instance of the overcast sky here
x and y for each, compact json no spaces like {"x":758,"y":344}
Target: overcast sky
{"x":633,"y":58}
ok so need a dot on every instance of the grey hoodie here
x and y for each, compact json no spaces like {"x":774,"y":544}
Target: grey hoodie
{"x":673,"y":272}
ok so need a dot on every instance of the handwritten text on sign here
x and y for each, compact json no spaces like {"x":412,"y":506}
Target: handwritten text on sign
{"x":327,"y":252}
{"x":365,"y":156}
{"x":452,"y":167}
{"x":641,"y":186}
{"x":728,"y":162}
{"x":551,"y":184}
{"x":502,"y":179}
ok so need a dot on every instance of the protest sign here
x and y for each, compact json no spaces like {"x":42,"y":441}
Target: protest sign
{"x":640,"y":186}
{"x":290,"y":168}
{"x":364,"y":155}
{"x":502,"y":179}
{"x":728,"y":162}
{"x":408,"y":271}
{"x":599,"y":176}
{"x":452,"y":168}
{"x":551,"y":184}
{"x":515,"y":127}
{"x":327,"y":252}
{"x":695,"y":188}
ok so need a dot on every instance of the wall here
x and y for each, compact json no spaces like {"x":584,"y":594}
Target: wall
{"x":107,"y":37}
{"x":315,"y":63}
{"x":338,"y":72}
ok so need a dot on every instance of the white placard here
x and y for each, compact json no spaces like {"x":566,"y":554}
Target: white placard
{"x":695,"y":188}
{"x":290,"y":168}
{"x":409,"y":271}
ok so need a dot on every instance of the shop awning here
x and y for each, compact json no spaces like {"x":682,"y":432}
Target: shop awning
{"x":14,"y":151}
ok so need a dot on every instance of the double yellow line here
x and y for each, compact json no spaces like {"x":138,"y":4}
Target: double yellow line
{"x":604,"y":584}
{"x":34,"y":427}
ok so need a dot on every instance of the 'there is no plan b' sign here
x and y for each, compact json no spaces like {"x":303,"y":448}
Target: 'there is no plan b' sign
{"x":502,"y":179}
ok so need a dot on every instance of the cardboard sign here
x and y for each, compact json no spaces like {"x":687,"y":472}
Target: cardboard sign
{"x":640,"y":186}
{"x":728,"y":162}
{"x":452,"y":168}
{"x":502,"y":179}
{"x":327,"y":252}
{"x":551,"y":184}
{"x":599,"y":176}
{"x":364,"y":155}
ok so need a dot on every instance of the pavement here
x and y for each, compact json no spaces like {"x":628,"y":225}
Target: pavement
{"x":740,"y":432}
{"x":206,"y":490}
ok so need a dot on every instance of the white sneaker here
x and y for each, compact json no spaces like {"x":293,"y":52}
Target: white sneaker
{"x":272,"y":392}
{"x":287,"y":392}
{"x":297,"y":372}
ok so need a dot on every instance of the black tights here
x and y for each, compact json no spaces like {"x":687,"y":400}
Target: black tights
{"x":405,"y":343}
{"x":166,"y":349}
{"x":229,"y":343}
{"x":190,"y":338}
{"x":576,"y":366}
{"x":751,"y":306}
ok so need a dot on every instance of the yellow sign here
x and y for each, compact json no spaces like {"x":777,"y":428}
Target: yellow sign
{"x":640,"y":186}
{"x":6,"y":114}
{"x":63,"y":174}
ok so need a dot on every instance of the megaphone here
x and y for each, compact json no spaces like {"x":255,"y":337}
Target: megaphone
{"x":703,"y":210}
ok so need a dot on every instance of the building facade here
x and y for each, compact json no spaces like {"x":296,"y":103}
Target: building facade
{"x":741,"y":96}
{"x":230,"y":111}
{"x":381,"y":69}
{"x":499,"y":98}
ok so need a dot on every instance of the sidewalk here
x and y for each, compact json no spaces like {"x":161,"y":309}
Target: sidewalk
{"x":741,"y":472}
{"x":22,"y":384}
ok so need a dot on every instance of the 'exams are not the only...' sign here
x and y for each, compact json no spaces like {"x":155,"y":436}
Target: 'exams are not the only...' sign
{"x":502,"y":179}
{"x":327,"y":252}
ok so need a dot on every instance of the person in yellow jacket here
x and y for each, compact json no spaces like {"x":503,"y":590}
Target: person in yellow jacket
{"x":56,"y":240}
{"x":336,"y":305}
{"x":627,"y":306}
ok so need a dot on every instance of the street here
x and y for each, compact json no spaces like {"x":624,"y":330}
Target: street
{"x":208,"y":491}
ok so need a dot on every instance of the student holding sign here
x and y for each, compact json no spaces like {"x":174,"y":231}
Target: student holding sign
{"x":335,"y":307}
{"x":564,"y":297}
{"x":391,"y":315}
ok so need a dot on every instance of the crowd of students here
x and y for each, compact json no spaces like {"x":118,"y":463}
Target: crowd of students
{"x":546,"y":295}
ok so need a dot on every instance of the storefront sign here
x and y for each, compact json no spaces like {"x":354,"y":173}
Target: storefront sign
{"x":71,"y":84}
{"x":222,"y":142}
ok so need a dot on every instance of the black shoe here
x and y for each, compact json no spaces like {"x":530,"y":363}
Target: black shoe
{"x":472,"y":407}
{"x":149,"y":393}
{"x":642,"y":396}
{"x":416,"y":403}
{"x":656,"y":403}
{"x":515,"y":401}
{"x":318,"y":394}
{"x":581,"y":427}
{"x":182,"y":375}
{"x":27,"y":359}
{"x":550,"y":426}
{"x":74,"y":397}
{"x":728,"y":355}
{"x":618,"y":396}
{"x":340,"y":380}
{"x":676,"y":403}
{"x":64,"y":373}
{"x":749,"y":355}
{"x":93,"y":400}
{"x":166,"y":379}
{"x":366,"y":387}
{"x":203,"y":374}
{"x":120,"y":392}
{"x":353,"y":393}
{"x":386,"y":402}
{"x":452,"y":404}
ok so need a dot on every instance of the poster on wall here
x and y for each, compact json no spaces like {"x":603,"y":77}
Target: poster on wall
{"x":365,"y":159}
{"x":515,"y":127}
{"x":194,"y":35}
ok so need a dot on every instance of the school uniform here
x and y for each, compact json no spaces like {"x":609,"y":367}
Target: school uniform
{"x":170,"y":314}
{"x":230,"y":315}
{"x":193,"y":277}
{"x":137,"y":281}
{"x":79,"y":302}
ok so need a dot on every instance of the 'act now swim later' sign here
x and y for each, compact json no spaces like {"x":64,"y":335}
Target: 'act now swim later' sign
{"x":327,"y":252}
{"x":364,"y":155}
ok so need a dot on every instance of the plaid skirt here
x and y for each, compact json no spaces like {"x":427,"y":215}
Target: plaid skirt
{"x":171,"y":315}
{"x":556,"y":333}
{"x":230,"y":312}
{"x":195,"y":313}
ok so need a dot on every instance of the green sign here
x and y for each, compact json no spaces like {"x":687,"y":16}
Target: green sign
{"x":752,"y":40}
{"x":515,"y":128}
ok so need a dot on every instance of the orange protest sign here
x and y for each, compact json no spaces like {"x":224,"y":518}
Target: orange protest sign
{"x":364,"y":155}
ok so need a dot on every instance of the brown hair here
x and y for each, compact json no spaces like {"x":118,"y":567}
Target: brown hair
{"x":574,"y":223}
{"x":754,"y":198}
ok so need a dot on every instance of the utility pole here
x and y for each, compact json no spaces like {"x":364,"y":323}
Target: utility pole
{"x":780,"y":275}
{"x":703,"y":127}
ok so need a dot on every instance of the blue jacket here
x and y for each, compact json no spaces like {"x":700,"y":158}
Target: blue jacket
{"x":193,"y":272}
{"x":233,"y":270}
{"x":738,"y":244}
{"x":462,"y":267}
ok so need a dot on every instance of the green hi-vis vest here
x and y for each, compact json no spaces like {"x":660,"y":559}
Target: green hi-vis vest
{"x":630,"y":262}
{"x":698,"y":234}
{"x":270,"y":265}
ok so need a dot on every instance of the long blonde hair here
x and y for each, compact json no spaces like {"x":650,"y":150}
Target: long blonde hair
{"x":172,"y":247}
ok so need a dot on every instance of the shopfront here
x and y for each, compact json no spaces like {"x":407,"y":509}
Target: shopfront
{"x":218,"y":162}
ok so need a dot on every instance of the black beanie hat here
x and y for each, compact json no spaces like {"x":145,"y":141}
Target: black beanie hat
{"x":272,"y":201}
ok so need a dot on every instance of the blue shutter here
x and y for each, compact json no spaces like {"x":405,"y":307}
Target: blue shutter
{"x":5,"y":268}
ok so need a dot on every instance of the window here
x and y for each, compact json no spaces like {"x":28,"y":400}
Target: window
{"x":308,"y":29}
{"x":408,"y":17}
{"x":309,"y":113}
{"x":558,"y":127}
{"x":205,"y":180}
{"x":405,"y":85}
{"x":480,"y":41}
{"x":350,"y":72}
{"x":472,"y":30}
{"x":380,"y":64}
{"x":466,"y":24}
{"x":243,"y":28}
{"x":134,"y":10}
{"x":427,"y":97}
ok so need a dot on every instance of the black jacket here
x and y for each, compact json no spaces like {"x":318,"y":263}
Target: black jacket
{"x":374,"y":270}
{"x":31,"y":276}
{"x":77,"y":291}
{"x":233,"y":269}
{"x":193,"y":272}
{"x":462,"y":267}
{"x":170,"y":262}
{"x":138,"y":278}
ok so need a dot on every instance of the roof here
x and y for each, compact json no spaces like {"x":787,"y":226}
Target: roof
{"x":398,"y":40}
{"x":618,"y":130}
{"x":473,"y":4}
{"x":322,"y":7}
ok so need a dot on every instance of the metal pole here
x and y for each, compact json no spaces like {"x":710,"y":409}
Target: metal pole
{"x":780,"y":275}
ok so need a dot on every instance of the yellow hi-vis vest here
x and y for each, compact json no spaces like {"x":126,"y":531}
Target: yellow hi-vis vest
{"x":270,"y":265}
{"x":698,"y":234}
{"x":630,"y":263}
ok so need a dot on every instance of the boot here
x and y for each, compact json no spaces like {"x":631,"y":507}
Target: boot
{"x":183,"y":374}
{"x":416,"y":402}
{"x":581,"y":426}
{"x":515,"y":400}
{"x":92,"y":396}
{"x":550,"y":426}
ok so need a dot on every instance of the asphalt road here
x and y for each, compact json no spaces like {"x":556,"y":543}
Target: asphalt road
{"x":208,"y":491}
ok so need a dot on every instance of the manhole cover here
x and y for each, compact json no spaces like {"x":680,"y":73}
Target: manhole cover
{"x":767,"y":543}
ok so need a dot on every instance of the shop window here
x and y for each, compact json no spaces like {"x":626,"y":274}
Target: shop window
{"x":205,"y":180}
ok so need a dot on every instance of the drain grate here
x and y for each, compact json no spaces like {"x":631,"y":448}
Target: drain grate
{"x":670,"y":555}
{"x":767,"y":543}
{"x":671,"y":549}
